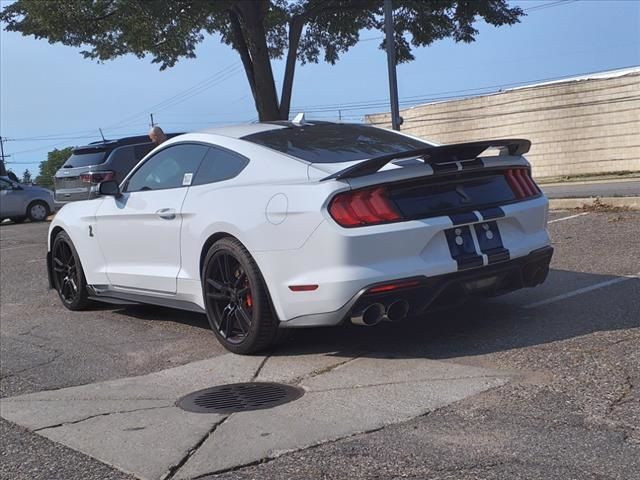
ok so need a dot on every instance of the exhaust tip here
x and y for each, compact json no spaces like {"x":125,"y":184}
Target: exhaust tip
{"x":369,"y":316}
{"x":397,"y":310}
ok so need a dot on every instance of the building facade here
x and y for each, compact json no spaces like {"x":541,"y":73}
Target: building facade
{"x":580,"y":125}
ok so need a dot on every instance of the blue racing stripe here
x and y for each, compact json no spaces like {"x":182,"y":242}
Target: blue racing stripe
{"x":491,"y":213}
{"x":462,"y":218}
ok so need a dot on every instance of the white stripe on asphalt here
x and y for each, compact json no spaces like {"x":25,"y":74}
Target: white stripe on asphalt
{"x":569,"y":217}
{"x":580,"y":291}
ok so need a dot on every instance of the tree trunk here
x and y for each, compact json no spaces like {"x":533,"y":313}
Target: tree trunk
{"x":295,"y":30}
{"x":259,"y":73}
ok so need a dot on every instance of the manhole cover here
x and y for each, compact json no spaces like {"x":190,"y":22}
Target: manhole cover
{"x":239,"y":397}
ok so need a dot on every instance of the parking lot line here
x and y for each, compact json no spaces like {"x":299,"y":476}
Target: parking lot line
{"x":569,"y":217}
{"x":580,"y":291}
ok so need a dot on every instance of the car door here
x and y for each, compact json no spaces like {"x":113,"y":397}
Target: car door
{"x":139,"y":232}
{"x":11,"y":199}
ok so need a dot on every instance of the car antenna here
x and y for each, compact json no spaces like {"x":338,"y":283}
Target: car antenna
{"x":102,"y":135}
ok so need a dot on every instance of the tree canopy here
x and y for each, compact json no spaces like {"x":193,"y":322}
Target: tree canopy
{"x":259,"y":30}
{"x":49,"y":167}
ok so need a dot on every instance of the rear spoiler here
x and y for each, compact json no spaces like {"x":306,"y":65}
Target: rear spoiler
{"x":454,"y":152}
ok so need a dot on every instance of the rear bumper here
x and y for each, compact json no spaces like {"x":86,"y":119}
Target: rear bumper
{"x":447,"y":289}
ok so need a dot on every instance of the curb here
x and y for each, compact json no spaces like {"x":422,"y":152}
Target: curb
{"x":632,"y":203}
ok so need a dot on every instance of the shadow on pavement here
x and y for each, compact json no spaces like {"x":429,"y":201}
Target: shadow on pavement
{"x":477,"y":327}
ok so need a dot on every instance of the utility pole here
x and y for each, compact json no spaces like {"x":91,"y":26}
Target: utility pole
{"x":3,"y":168}
{"x":152,"y":124}
{"x":396,"y":120}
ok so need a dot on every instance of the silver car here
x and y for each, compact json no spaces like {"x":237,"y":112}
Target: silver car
{"x":19,"y":202}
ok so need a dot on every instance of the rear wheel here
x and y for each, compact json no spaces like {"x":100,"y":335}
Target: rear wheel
{"x":38,"y":211}
{"x":68,"y":277}
{"x":236,"y":299}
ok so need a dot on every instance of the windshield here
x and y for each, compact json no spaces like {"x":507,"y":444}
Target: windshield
{"x":335,"y":143}
{"x":85,"y":159}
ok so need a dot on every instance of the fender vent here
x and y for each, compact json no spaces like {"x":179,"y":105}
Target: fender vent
{"x":239,"y":397}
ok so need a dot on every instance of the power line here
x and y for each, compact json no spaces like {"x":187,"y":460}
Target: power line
{"x":179,"y":97}
{"x":544,"y":6}
{"x":416,"y":99}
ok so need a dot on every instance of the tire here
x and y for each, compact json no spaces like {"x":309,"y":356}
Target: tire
{"x":68,"y":276}
{"x":236,"y":299}
{"x":18,"y":219}
{"x":38,"y":211}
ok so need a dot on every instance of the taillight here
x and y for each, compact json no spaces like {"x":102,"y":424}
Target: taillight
{"x":521,"y":183}
{"x":96,"y":177}
{"x":363,"y":207}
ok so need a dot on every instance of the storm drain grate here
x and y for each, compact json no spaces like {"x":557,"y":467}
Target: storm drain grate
{"x":239,"y":397}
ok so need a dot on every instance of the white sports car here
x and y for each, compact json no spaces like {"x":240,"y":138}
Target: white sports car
{"x":303,"y":224}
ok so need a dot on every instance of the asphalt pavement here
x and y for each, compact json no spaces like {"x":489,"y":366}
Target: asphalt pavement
{"x":606,"y":188}
{"x":568,"y":351}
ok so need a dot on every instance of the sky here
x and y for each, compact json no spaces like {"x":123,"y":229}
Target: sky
{"x":51,"y":97}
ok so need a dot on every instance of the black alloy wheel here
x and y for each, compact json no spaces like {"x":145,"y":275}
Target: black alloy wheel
{"x":237,"y":303}
{"x":68,"y":277}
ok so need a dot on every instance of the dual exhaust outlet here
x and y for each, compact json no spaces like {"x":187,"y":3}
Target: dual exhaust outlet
{"x":376,"y":312}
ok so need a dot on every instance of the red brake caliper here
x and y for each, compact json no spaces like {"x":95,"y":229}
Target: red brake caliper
{"x":248,"y":299}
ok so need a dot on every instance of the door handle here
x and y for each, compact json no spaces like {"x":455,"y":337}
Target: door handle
{"x":166,"y":213}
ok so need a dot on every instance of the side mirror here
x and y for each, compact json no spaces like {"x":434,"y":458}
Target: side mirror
{"x":110,"y":187}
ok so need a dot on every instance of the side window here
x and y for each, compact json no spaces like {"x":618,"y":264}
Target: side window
{"x":219,"y":164}
{"x":169,"y":168}
{"x":4,"y":185}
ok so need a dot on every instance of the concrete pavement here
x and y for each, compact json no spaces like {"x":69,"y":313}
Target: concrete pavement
{"x":120,"y":422}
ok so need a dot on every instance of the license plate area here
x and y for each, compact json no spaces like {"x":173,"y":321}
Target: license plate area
{"x":476,"y":245}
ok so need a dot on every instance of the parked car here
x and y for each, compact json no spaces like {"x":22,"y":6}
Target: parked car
{"x":19,"y":202}
{"x":91,"y":164}
{"x":278,"y":225}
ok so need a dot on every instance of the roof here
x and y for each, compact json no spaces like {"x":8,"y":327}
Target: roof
{"x":620,"y":72}
{"x":242,"y":130}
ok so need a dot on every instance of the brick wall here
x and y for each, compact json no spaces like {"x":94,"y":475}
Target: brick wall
{"x":576,"y":127}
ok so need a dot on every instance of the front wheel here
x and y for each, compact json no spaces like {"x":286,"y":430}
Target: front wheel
{"x":236,"y":299}
{"x":68,"y":277}
{"x":38,"y":211}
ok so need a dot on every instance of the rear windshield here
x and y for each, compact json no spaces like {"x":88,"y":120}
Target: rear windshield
{"x":85,"y":159}
{"x":335,"y":143}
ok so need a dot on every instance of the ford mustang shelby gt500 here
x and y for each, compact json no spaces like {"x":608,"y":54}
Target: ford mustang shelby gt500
{"x":301,"y":224}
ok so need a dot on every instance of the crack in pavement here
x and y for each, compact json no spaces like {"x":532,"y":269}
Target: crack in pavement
{"x":173,"y":469}
{"x":42,"y":364}
{"x":625,"y":396}
{"x":261,"y":366}
{"x":62,"y":424}
{"x":405,"y":382}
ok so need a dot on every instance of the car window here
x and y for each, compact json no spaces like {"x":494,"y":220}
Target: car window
{"x":4,"y":185}
{"x":335,"y":143}
{"x":85,"y":158}
{"x":172,"y":167}
{"x":219,"y":164}
{"x":125,"y":158}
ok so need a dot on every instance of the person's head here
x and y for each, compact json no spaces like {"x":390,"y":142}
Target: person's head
{"x":157,"y":136}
